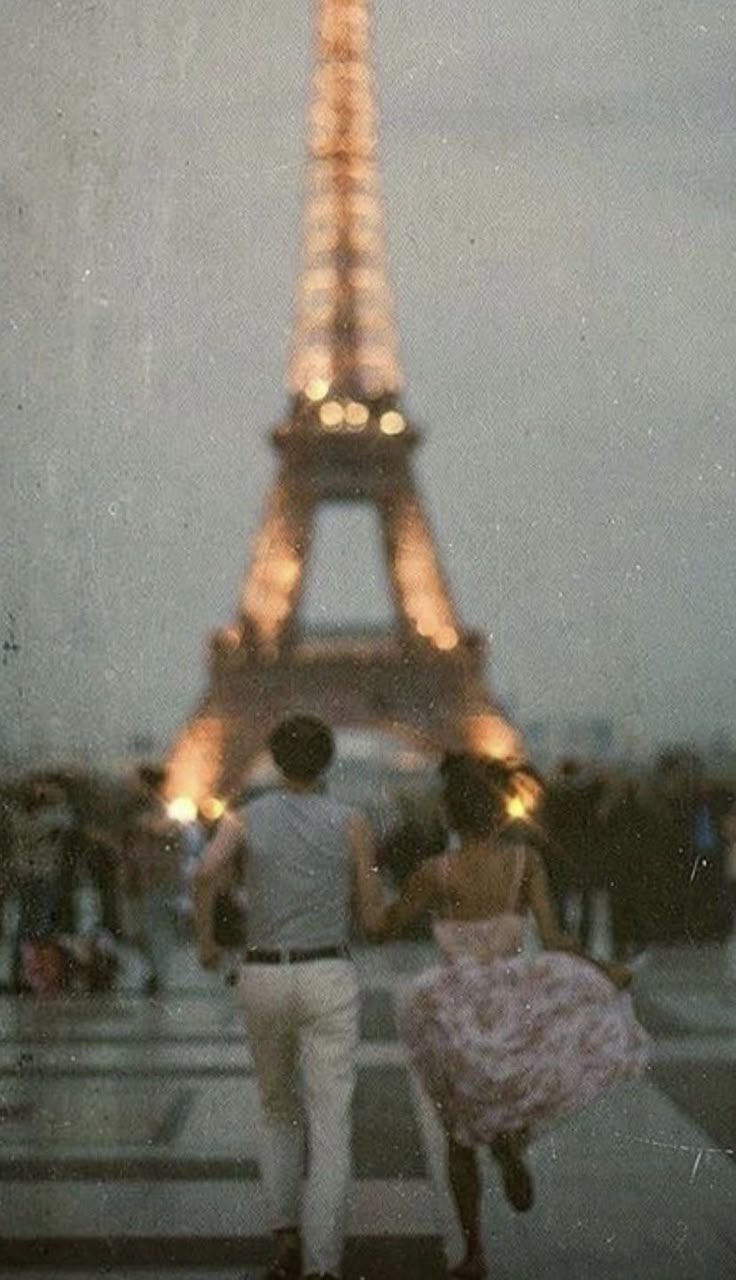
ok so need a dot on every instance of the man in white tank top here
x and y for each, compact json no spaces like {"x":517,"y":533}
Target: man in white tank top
{"x":309,"y":867}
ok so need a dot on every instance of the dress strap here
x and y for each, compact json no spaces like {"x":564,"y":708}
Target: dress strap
{"x":443,"y":876}
{"x":516,"y":880}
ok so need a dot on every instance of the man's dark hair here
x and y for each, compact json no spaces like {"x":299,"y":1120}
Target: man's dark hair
{"x":302,"y":747}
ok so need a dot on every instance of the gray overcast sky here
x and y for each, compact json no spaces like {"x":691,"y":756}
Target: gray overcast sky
{"x":560,"y":194}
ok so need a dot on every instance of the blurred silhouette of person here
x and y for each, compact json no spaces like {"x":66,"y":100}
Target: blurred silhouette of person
{"x":309,"y":862}
{"x":152,"y":876}
{"x":7,"y":885}
{"x":571,"y":816}
{"x":505,"y":1045}
{"x":728,"y":827}
{"x":420,"y":833}
{"x":41,"y":829}
{"x":628,"y":839}
{"x":690,"y":851}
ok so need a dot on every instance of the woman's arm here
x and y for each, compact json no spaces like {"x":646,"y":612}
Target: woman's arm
{"x":552,"y":937}
{"x":417,"y":894}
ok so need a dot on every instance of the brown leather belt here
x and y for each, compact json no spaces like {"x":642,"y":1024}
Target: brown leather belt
{"x":294,"y":955}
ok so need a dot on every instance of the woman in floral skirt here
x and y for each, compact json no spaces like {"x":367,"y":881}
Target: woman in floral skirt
{"x":505,"y":1044}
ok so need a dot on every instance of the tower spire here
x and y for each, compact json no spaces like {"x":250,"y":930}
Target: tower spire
{"x":345,"y":342}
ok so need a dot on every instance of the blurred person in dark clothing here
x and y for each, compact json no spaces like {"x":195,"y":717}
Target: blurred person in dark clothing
{"x":41,"y":828}
{"x":152,"y":876}
{"x":420,"y":833}
{"x":6,"y":851}
{"x":101,"y":852}
{"x":571,"y":817}
{"x":690,"y":850}
{"x":629,"y":866}
{"x":728,"y":828}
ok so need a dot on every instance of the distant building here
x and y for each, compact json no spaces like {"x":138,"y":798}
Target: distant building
{"x":590,"y":737}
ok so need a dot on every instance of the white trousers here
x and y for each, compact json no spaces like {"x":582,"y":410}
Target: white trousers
{"x":302,"y":1023}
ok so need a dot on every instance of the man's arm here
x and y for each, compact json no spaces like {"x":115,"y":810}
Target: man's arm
{"x":216,"y":861}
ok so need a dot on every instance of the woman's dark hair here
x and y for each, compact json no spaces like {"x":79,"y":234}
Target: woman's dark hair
{"x":475,"y":792}
{"x":302,"y":747}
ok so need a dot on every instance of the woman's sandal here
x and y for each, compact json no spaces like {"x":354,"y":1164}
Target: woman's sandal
{"x":518,"y":1186}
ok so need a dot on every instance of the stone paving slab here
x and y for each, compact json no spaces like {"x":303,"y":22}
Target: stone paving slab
{"x":181,"y":1212}
{"x":387,"y":1258}
{"x":629,"y":1190}
{"x":126,"y":1132}
{"x":105,"y":1272}
{"x":82,"y":1022}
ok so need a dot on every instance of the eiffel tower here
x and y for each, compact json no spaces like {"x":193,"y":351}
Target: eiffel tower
{"x":345,"y":438}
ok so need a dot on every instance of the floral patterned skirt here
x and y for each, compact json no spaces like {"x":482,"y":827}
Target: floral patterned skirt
{"x":517,"y":1043}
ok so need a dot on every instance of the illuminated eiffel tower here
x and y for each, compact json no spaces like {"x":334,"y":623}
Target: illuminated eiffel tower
{"x":345,"y":438}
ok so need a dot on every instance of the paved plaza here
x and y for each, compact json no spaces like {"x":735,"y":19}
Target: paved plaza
{"x":128,"y":1142}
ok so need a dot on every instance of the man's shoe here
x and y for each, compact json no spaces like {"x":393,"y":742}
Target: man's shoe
{"x":287,"y":1265}
{"x":283,"y":1270}
{"x":286,"y":1268}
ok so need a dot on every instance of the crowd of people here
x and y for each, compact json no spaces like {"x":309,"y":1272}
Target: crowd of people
{"x":657,"y":848}
{"x":91,"y":876}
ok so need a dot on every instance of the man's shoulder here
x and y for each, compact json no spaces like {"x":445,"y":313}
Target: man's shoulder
{"x":337,"y":813}
{"x":257,"y":802}
{"x":278,"y":798}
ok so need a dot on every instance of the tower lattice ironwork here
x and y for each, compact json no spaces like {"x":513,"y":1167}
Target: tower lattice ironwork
{"x":345,"y":438}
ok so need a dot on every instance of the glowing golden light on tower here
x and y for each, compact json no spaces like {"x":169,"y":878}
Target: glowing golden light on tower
{"x":182,"y":809}
{"x":212,"y":808}
{"x":427,"y":624}
{"x":331,"y":414}
{"x":316,"y":389}
{"x":230,"y":637}
{"x":345,"y":338}
{"x":195,"y":763}
{"x":446,"y":638}
{"x":356,"y":415}
{"x":276,"y":572}
{"x":392,"y":423}
{"x":491,"y":735}
{"x":424,"y":596}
